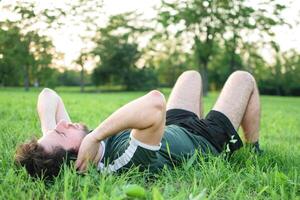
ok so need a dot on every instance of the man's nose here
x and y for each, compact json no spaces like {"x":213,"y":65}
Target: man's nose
{"x":62,"y":123}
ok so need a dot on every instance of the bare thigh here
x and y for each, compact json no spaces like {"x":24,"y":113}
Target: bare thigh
{"x":234,"y":96}
{"x":187,"y":93}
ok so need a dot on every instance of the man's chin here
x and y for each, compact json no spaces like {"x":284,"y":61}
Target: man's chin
{"x":85,"y":129}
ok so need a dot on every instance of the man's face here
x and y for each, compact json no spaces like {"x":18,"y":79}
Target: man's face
{"x":66,"y":135}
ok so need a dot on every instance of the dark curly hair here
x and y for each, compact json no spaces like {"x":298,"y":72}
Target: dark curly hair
{"x":41,"y":164}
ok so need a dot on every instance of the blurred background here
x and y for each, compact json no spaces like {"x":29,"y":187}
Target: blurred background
{"x":144,"y":44}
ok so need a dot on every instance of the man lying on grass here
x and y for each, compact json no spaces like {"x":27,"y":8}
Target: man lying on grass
{"x":147,"y":132}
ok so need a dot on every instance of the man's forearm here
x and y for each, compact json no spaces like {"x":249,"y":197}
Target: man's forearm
{"x":47,"y":106}
{"x":138,"y":114}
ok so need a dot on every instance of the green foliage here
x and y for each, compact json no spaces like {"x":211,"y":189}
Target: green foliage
{"x":222,"y":22}
{"x":119,"y":54}
{"x":72,"y":78}
{"x":168,"y":71}
{"x":24,"y":58}
{"x":283,"y":76}
{"x":28,"y":52}
{"x":48,"y":77}
{"x":141,"y":79}
{"x":206,"y":35}
{"x":220,"y":67}
{"x":12,"y":50}
{"x":165,"y":55}
{"x":274,"y":175}
{"x":118,"y":59}
{"x":24,"y":49}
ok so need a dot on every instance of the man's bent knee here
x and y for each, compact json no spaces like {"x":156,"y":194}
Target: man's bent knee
{"x":158,"y":99}
{"x":243,"y":76}
{"x":47,"y":91}
{"x":192,"y":74}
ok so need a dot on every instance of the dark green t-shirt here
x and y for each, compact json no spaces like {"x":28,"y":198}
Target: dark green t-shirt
{"x":122,"y":151}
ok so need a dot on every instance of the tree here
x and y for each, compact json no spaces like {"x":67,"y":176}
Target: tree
{"x":81,"y":61}
{"x":90,"y":13}
{"x":166,"y":56}
{"x":222,"y":57}
{"x":36,"y":50}
{"x":291,"y":61}
{"x":117,"y":60}
{"x":29,"y":16}
{"x":285,"y":71}
{"x":247,"y":19}
{"x":22,"y":54}
{"x":70,"y":77}
{"x":255,"y":63}
{"x":207,"y":21}
{"x":119,"y":53}
{"x":11,"y":50}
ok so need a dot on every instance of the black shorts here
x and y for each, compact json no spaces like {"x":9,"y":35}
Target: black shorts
{"x":216,"y":128}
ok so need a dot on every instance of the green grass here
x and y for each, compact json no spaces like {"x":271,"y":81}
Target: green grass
{"x":275,"y":175}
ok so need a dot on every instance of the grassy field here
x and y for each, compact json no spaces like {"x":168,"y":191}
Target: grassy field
{"x":274,"y":175}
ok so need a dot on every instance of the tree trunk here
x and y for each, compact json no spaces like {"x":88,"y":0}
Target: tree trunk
{"x":232,"y":62}
{"x":173,"y":75}
{"x":26,"y":78}
{"x":203,"y":59}
{"x":278,"y":84}
{"x":204,"y":76}
{"x":82,"y":79}
{"x":278,"y":76}
{"x":231,"y":49}
{"x":2,"y":81}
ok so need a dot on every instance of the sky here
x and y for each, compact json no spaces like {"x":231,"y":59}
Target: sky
{"x":71,"y":46}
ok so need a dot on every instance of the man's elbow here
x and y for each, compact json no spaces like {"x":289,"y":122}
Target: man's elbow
{"x":48,"y":92}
